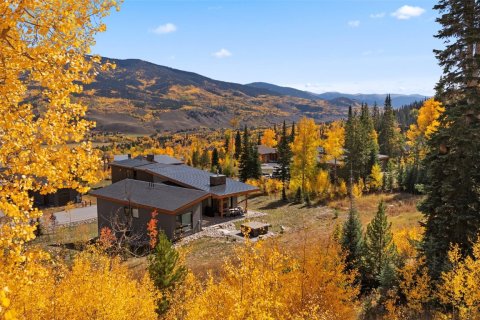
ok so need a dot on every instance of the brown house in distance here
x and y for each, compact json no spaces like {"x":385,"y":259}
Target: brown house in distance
{"x":267,"y":154}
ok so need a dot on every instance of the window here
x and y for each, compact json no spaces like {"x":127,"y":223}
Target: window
{"x":131,"y":212}
{"x":184,"y":221}
{"x":135,"y":212}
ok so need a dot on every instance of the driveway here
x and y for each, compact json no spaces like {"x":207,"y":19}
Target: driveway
{"x":76,"y":215}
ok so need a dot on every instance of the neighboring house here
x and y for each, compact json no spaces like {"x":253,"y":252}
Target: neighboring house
{"x":60,"y":198}
{"x":267,"y":154}
{"x":130,"y":203}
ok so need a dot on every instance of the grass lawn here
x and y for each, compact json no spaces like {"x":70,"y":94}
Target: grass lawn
{"x":303,"y":224}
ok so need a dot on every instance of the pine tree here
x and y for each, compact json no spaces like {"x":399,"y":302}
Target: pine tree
{"x":452,"y":203}
{"x":380,"y":249}
{"x":245,"y":157}
{"x":388,"y":138}
{"x":195,"y":158}
{"x":227,"y":142}
{"x":352,"y":239}
{"x":292,"y":133}
{"x":165,"y":270}
{"x":205,"y":159}
{"x":255,"y":164}
{"x":353,"y":144}
{"x":368,"y":142}
{"x":214,"y":163}
{"x":238,"y":145}
{"x":284,"y":159}
{"x":376,"y":117}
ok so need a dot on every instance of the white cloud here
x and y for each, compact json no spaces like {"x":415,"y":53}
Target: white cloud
{"x":377,"y":15}
{"x":165,"y":28}
{"x":354,"y":23}
{"x":407,"y":12}
{"x":222,"y":53}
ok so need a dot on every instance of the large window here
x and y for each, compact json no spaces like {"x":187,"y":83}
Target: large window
{"x":133,"y":212}
{"x":184,"y":222}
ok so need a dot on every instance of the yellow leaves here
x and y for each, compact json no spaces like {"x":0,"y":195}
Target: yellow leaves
{"x":262,"y":282}
{"x":376,"y":177}
{"x":335,"y":140}
{"x":322,"y":184}
{"x":269,"y":138}
{"x":96,"y":286}
{"x":304,"y":149}
{"x":460,"y":285}
{"x":427,"y":123}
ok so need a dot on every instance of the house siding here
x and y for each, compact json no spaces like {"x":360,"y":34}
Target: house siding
{"x":166,"y":222}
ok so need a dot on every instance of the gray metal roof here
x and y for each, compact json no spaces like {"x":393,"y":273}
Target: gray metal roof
{"x":120,"y":157}
{"x":131,"y":163}
{"x":154,"y":195}
{"x":165,"y":159}
{"x":263,"y":149}
{"x":198,"y":179}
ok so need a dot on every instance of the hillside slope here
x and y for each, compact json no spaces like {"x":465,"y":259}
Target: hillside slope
{"x":142,"y":97}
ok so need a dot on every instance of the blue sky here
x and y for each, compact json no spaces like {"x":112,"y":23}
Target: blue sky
{"x":352,"y":46}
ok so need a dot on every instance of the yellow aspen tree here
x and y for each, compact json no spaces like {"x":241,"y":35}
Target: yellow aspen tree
{"x":376,"y":177}
{"x":427,"y":123}
{"x":334,"y":144}
{"x":459,"y":288}
{"x":43,"y":57}
{"x":305,"y":153}
{"x":269,"y":138}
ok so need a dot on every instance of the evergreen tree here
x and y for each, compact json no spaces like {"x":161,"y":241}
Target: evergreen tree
{"x":244,"y":165}
{"x":195,"y":158}
{"x":227,"y":142}
{"x":205,"y":159}
{"x":284,"y":159}
{"x":452,"y":203}
{"x":388,"y":138}
{"x":376,"y":118}
{"x":352,"y":240}
{"x":214,"y":163}
{"x":353,"y":144}
{"x":368,"y":142}
{"x":238,"y":145}
{"x":292,"y":133}
{"x":165,"y":270}
{"x":255,"y":164}
{"x":380,"y":249}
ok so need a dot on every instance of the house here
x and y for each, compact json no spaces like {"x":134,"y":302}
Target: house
{"x":267,"y":154}
{"x":125,"y":167}
{"x":60,"y":198}
{"x":131,"y":203}
{"x":184,"y":186}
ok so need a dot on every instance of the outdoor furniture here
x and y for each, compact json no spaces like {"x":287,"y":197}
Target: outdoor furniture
{"x":254,"y":228}
{"x":234,"y":212}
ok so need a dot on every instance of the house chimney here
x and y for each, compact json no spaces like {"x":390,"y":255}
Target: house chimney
{"x":150,"y":157}
{"x":218,"y":179}
{"x":129,"y":156}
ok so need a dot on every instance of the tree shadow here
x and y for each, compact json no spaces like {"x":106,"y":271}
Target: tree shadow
{"x":276,"y":204}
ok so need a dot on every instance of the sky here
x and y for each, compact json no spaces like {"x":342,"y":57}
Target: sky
{"x":349,"y":46}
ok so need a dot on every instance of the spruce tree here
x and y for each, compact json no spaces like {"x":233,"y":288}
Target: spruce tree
{"x":245,"y":157}
{"x":205,"y":159}
{"x":353,"y":144}
{"x":255,"y":164}
{"x":214,"y":163}
{"x":292,"y":133}
{"x":238,"y":145}
{"x":452,"y":203}
{"x":195,"y":158}
{"x":165,"y":270}
{"x":351,"y":240}
{"x":284,"y":159}
{"x":379,"y":247}
{"x":388,"y":138}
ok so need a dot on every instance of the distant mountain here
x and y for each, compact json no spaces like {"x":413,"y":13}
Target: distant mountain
{"x":286,"y":91}
{"x":142,"y":97}
{"x":398,"y":100}
{"x":337,"y":98}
